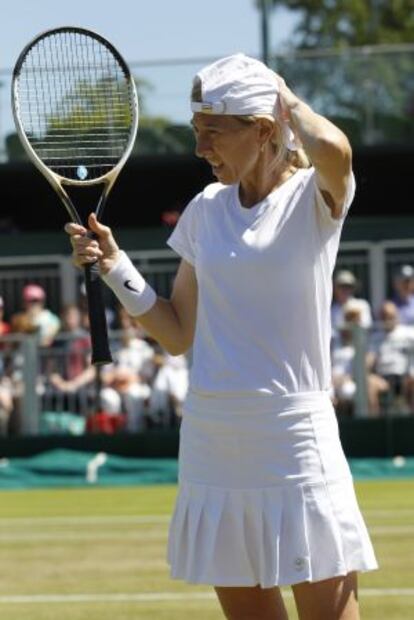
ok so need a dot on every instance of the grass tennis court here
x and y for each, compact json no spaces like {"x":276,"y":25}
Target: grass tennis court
{"x":100,"y":554}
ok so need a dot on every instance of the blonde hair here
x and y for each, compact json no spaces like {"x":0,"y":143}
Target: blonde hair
{"x":282,"y":155}
{"x":296,"y":159}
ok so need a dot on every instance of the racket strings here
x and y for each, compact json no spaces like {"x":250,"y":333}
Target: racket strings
{"x":75,"y":105}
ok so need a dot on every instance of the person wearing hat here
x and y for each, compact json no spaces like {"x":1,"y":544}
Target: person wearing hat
{"x":345,"y":286}
{"x":35,"y":317}
{"x":403,"y":297}
{"x":265,"y":497}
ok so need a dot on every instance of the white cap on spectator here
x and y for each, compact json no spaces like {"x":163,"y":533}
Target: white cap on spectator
{"x":345,"y":278}
{"x":1,"y":302}
{"x":405,"y":272}
{"x":241,"y":86}
{"x":354,"y":305}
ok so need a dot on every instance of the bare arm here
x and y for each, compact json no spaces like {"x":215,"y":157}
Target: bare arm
{"x":325,"y":144}
{"x":169,"y":321}
{"x":172,"y":321}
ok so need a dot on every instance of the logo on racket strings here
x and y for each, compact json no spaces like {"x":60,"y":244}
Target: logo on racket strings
{"x":82,"y":172}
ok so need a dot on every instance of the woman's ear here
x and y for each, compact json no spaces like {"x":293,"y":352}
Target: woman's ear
{"x":266,"y":130}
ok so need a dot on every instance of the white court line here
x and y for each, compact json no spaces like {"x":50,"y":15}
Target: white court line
{"x":116,"y":519}
{"x":147,"y":519}
{"x":149,"y":597}
{"x":390,"y":514}
{"x":62,"y":536}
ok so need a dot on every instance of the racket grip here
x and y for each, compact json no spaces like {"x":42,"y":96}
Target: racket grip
{"x":101,"y":353}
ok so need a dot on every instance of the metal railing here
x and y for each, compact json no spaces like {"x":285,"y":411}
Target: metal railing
{"x":41,"y":405}
{"x":372,"y":263}
{"x":55,"y":389}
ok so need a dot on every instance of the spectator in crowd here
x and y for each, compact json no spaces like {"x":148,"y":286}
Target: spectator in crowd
{"x":345,"y":286}
{"x":169,"y":388}
{"x":71,"y":350}
{"x":126,"y":382}
{"x":134,"y":351}
{"x":4,"y":330}
{"x":35,"y":317}
{"x":343,"y":356}
{"x":391,"y":355}
{"x":124,"y":392}
{"x":4,"y":326}
{"x":6,"y":404}
{"x":403,"y":297}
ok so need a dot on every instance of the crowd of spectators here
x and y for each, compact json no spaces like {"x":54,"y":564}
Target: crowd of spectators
{"x":387,"y":345}
{"x":145,"y":387}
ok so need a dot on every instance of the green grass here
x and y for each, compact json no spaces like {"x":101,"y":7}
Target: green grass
{"x":85,"y":541}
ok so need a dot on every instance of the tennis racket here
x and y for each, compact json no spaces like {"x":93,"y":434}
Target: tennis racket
{"x":76,"y":112}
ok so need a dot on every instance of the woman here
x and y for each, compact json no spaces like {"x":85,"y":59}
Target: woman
{"x":266,"y":497}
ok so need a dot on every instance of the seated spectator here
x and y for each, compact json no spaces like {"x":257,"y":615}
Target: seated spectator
{"x":72,"y":343}
{"x":4,"y":326}
{"x":403,"y":297}
{"x":391,"y":355}
{"x":169,"y":388}
{"x":67,"y":360}
{"x":343,"y":377}
{"x":345,"y":286}
{"x":4,"y":330}
{"x":133,"y":350}
{"x":126,"y":382}
{"x":123,"y":393}
{"x":35,"y":317}
{"x":6,"y":404}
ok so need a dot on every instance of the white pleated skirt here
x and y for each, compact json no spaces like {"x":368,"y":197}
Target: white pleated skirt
{"x":265,"y":494}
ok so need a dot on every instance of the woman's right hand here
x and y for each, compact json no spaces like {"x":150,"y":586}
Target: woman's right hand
{"x":86,"y":251}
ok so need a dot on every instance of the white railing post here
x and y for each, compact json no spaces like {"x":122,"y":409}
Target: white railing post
{"x":359,"y":335}
{"x":68,"y":281}
{"x":377,"y":274}
{"x":30,"y":421}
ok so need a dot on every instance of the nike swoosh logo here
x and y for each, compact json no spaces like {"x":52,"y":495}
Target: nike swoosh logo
{"x":129,"y":287}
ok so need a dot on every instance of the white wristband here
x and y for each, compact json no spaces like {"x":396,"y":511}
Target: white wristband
{"x":132,"y":290}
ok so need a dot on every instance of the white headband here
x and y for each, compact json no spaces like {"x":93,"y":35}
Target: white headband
{"x":240,"y":85}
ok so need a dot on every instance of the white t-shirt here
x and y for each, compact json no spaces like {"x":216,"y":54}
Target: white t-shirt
{"x":394,"y":350}
{"x":337,"y":313}
{"x":264,"y":279}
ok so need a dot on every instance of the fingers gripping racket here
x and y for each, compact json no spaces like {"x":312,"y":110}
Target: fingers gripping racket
{"x":76,"y":112}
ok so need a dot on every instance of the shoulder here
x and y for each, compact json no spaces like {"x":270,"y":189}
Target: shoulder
{"x":203,"y":203}
{"x":214,"y":192}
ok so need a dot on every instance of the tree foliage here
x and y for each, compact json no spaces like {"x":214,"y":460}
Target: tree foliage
{"x":368,"y":91}
{"x":341,"y":23}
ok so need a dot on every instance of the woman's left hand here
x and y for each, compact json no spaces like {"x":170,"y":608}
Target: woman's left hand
{"x":286,"y":100}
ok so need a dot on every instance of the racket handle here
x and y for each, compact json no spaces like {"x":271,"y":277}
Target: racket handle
{"x":101,"y":353}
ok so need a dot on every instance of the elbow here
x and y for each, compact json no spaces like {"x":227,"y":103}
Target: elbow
{"x":336,"y":145}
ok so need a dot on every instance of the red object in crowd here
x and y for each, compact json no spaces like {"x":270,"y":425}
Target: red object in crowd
{"x":105,"y":423}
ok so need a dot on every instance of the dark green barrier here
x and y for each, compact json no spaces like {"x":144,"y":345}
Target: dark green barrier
{"x":360,"y":438}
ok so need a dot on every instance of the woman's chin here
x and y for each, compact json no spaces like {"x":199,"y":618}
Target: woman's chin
{"x":221,"y":176}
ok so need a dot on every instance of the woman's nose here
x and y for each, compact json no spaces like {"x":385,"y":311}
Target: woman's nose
{"x":203,"y":146}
